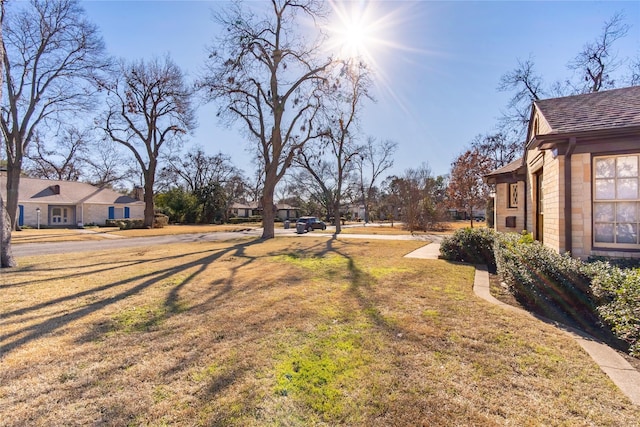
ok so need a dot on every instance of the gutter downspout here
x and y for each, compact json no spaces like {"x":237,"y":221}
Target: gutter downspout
{"x":567,"y":195}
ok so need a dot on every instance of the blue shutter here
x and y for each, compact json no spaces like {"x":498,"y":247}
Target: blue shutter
{"x":21,"y":215}
{"x":127,"y":212}
{"x":112,"y":212}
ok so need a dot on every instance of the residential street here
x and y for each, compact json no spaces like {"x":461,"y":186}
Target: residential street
{"x":30,"y":249}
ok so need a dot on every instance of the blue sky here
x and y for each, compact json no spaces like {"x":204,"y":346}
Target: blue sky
{"x":436,"y":91}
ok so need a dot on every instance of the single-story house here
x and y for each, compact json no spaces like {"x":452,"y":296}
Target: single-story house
{"x":69,"y":203}
{"x":246,"y":210}
{"x":577,"y":188}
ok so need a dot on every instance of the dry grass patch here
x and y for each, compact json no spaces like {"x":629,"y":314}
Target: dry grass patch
{"x":311,"y":331}
{"x":32,"y":235}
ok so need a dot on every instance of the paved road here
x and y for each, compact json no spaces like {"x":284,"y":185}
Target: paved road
{"x":30,"y":249}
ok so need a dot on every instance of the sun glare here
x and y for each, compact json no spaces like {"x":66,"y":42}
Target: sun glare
{"x":352,"y":32}
{"x":371,"y":32}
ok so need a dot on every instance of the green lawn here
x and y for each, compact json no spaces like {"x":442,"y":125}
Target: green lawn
{"x":291,"y":332}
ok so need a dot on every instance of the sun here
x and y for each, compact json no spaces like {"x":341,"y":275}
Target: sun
{"x":356,"y":38}
{"x":353,"y":32}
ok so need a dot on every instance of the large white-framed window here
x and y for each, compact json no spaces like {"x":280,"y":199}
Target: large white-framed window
{"x":616,"y":201}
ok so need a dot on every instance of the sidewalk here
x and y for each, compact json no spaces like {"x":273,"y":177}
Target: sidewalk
{"x":613,"y":364}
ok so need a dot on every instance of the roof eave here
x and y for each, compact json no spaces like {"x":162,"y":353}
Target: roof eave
{"x":550,"y":140}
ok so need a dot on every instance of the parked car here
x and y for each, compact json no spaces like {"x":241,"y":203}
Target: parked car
{"x":309,"y":223}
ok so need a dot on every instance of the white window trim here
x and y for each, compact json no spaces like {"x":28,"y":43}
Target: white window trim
{"x":594,"y":201}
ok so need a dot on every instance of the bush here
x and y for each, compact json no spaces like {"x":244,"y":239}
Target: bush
{"x":618,"y":295}
{"x":472,"y":245}
{"x":240,"y":220}
{"x":538,"y":276}
{"x":160,"y":220}
{"x":125,"y":223}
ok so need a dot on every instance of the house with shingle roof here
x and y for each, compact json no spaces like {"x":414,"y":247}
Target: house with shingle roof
{"x":69,"y":203}
{"x":577,"y":187}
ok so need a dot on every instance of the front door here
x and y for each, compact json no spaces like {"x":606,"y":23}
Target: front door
{"x":60,"y":216}
{"x":539,"y":207}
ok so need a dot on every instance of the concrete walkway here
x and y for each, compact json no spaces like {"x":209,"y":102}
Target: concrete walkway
{"x":610,"y":361}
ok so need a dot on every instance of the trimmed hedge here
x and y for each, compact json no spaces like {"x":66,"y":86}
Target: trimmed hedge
{"x":597,"y":297}
{"x":540,"y":277}
{"x":618,"y":295}
{"x":472,"y":245}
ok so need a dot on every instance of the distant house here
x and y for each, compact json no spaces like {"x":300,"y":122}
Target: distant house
{"x":577,"y":188}
{"x":246,"y":210}
{"x":68,"y":203}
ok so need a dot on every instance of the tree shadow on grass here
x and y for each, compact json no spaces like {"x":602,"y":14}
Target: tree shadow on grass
{"x":14,"y":340}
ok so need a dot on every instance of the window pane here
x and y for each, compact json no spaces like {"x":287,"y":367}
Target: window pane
{"x":604,"y":233}
{"x":605,"y":168}
{"x":627,"y":233}
{"x":605,"y":189}
{"x":627,"y":166}
{"x":626,"y":212}
{"x":603,"y":212}
{"x":628,"y":188}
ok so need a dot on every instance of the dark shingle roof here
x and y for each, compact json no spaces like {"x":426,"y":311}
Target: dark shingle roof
{"x":610,"y":109}
{"x":509,"y":168}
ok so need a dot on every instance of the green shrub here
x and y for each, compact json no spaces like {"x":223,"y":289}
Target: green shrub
{"x":551,"y":284}
{"x":618,"y":295}
{"x":472,"y":245}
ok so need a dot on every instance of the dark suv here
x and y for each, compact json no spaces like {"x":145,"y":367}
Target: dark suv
{"x":309,"y":223}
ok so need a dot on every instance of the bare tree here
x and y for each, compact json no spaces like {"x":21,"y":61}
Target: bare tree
{"x":6,"y":255}
{"x":264,"y":74}
{"x":64,"y":161}
{"x":634,"y":68}
{"x":372,"y":160}
{"x":204,"y":175}
{"x":467,"y":190}
{"x":149,"y":105}
{"x":594,"y":68}
{"x":108,"y":166}
{"x":597,"y":61}
{"x":416,"y":197}
{"x":527,"y":86}
{"x":339,"y":116}
{"x":497,"y":148}
{"x":197,"y":169}
{"x":51,"y":52}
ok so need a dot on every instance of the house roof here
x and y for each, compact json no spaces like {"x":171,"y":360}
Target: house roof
{"x":509,"y":168}
{"x":611,"y":109}
{"x":65,"y":192}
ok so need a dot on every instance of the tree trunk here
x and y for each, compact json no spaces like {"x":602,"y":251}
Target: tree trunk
{"x":268,"y":214}
{"x":13,"y":184}
{"x":149,"y":207}
{"x":6,"y":256}
{"x":336,"y":217}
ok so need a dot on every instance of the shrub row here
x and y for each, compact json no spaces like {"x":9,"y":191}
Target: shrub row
{"x":618,"y":296}
{"x":242,"y":220}
{"x":540,"y":278}
{"x":159,"y":221}
{"x":596,"y":296}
